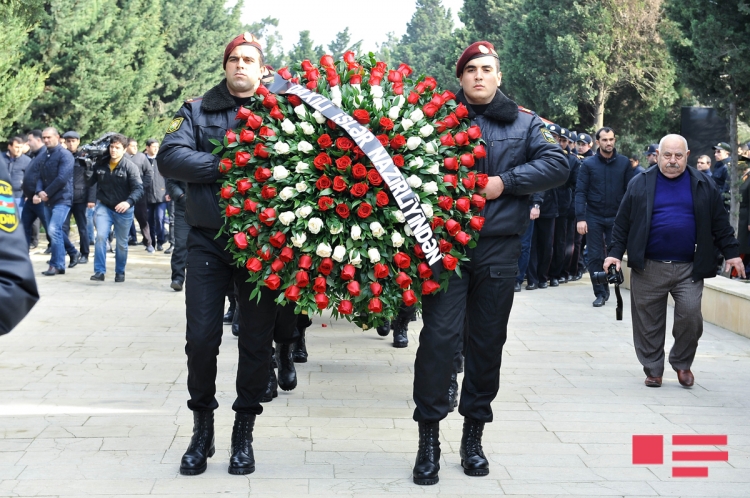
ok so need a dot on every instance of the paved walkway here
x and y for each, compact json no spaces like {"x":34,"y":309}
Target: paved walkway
{"x":92,"y":403}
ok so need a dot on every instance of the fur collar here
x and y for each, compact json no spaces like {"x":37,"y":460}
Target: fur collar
{"x":501,"y":109}
{"x":218,"y":98}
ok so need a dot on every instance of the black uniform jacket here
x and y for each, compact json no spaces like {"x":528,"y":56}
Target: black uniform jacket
{"x":82,"y":192}
{"x":122,"y":184}
{"x":177,"y":190}
{"x":633,"y":223}
{"x":18,"y":293}
{"x":601,"y":185}
{"x":523,"y":154}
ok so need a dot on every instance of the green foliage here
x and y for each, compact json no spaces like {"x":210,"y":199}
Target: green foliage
{"x":343,"y":43}
{"x":266,"y":31}
{"x":487,"y":19}
{"x":304,"y":49}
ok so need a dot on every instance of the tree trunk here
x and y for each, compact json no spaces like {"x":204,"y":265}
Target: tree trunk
{"x":601,"y":99}
{"x":734,"y":172}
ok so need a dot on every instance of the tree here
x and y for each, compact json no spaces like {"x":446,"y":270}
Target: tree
{"x":486,"y":19}
{"x":342,"y":43}
{"x":270,"y":40}
{"x":710,"y":47}
{"x":304,"y":49}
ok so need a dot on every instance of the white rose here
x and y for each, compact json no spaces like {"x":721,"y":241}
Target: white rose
{"x":339,"y":253}
{"x":399,"y":216}
{"x":373,"y":254}
{"x":427,"y":210}
{"x":406,"y":123}
{"x":281,"y":148}
{"x":314,"y":225}
{"x":287,"y":193}
{"x":376,"y":91}
{"x":357,"y":86}
{"x":413,"y":142}
{"x":377,"y":103}
{"x":356,"y":232}
{"x":426,"y":130}
{"x":431,"y":147}
{"x":393,"y":112}
{"x":298,"y":239}
{"x":336,"y":101}
{"x":414,"y":181}
{"x":304,"y":147}
{"x":416,"y":115}
{"x":377,"y":229}
{"x":280,"y":172}
{"x":318,"y":117}
{"x":408,"y":231}
{"x":399,"y":101}
{"x":434,"y":168}
{"x":355,"y":258}
{"x":302,"y":167}
{"x":300,"y":111}
{"x":336,"y":92}
{"x":397,"y":239}
{"x":417,"y":162}
{"x":307,"y":128}
{"x":323,"y":250}
{"x":287,"y":126}
{"x":286,"y":218}
{"x":301,"y":187}
{"x":337,"y":228}
{"x":303,"y":212}
{"x":430,"y":187}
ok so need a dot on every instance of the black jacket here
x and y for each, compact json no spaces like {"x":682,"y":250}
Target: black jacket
{"x":31,"y":176}
{"x":601,"y":185}
{"x":177,"y":190}
{"x":147,"y":172}
{"x":114,"y":187}
{"x":566,"y":191}
{"x":158,"y":191}
{"x":17,"y":168}
{"x":633,"y":223}
{"x":720,"y":175}
{"x":519,"y":152}
{"x":82,"y":192}
{"x":18,"y":292}
{"x":56,"y":176}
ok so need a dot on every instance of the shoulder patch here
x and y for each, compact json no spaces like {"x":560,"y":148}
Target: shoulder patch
{"x":193,"y":99}
{"x":175,"y":125}
{"x":527,"y":111}
{"x":547,"y":135}
{"x":8,"y":212}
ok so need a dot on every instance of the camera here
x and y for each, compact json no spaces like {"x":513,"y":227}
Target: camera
{"x":92,"y":152}
{"x":611,"y":276}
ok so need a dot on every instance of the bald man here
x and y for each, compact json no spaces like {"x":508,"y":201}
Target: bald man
{"x":669,"y":221}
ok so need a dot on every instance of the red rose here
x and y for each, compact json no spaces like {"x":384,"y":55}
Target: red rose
{"x":394,"y":76}
{"x":381,"y":199}
{"x":267,"y":216}
{"x":376,"y":289}
{"x":302,"y":278}
{"x":343,"y":143}
{"x":421,"y":87}
{"x":262,"y":91}
{"x":453,"y":227}
{"x":339,"y":184}
{"x":254,"y":121}
{"x":474,"y":132}
{"x":277,"y":240}
{"x":463,"y":204}
{"x":450,"y":163}
{"x":225,"y":165}
{"x":243,"y":185}
{"x":312,"y":85}
{"x":265,"y":256}
{"x":325,"y":203}
{"x":397,"y":142}
{"x":451,"y":120}
{"x":262,"y":174}
{"x":284,"y":73}
{"x":461,"y":111}
{"x":286,"y":255}
{"x":253,"y":231}
{"x":250,"y":205}
{"x":349,"y":57}
{"x":353,"y":288}
{"x":364,"y":210}
{"x":321,"y":300}
{"x":463,"y":238}
{"x":469,"y":182}
{"x":361,"y":116}
{"x":451,"y":179}
{"x":449,"y":262}
{"x":227,"y":192}
{"x":430,"y":110}
{"x":447,"y":140}
{"x":358,"y":153}
{"x":359,"y":171}
{"x":276,"y":113}
{"x":243,"y":113}
{"x":413,"y":98}
{"x":403,"y":280}
{"x":424,"y":270}
{"x":240,"y":240}
{"x":294,"y":100}
{"x":323,"y":183}
{"x":478,"y":201}
{"x":467,"y":160}
{"x":342,"y":210}
{"x":437,"y":221}
{"x":241,"y":158}
{"x":254,"y":265}
{"x":448,"y":96}
{"x":476,"y":222}
{"x":319,"y":284}
{"x":232,"y":211}
{"x":326,"y":266}
{"x":375,"y":305}
{"x":401,"y":260}
{"x":398,"y":88}
{"x":272,"y":281}
{"x":268,"y":192}
{"x":404,"y":69}
{"x":346,"y":307}
{"x":307,"y":65}
{"x":356,"y":79}
{"x":247,"y":136}
{"x":269,"y":102}
{"x":445,"y":202}
{"x":260,"y":151}
{"x":383,"y":139}
{"x":321,"y":161}
{"x":462,"y":138}
{"x":305,"y":262}
{"x":292,"y":293}
{"x":480,"y":152}
{"x":386,"y":124}
{"x":418,"y":251}
{"x":347,"y":273}
{"x":312,"y":74}
{"x":437,"y":100}
{"x":374,"y":177}
{"x":409,"y":298}
{"x":482,"y":180}
{"x":342,"y":163}
{"x":429,"y":287}
{"x":374,"y":80}
{"x":398,"y":160}
{"x":266,"y":132}
{"x":277,"y":266}
{"x":326,"y":61}
{"x":325,"y":141}
{"x":445,"y":246}
{"x":381,"y":270}
{"x":359,"y":189}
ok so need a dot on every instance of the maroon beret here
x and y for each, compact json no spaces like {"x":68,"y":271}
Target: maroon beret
{"x":243,"y":39}
{"x":475,"y":50}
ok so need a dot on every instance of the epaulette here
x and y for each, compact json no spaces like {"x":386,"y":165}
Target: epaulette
{"x":581,"y":157}
{"x":527,"y":111}
{"x":193,"y":99}
{"x":565,"y":152}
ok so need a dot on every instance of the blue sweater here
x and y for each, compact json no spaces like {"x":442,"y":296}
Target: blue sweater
{"x":672,"y":234}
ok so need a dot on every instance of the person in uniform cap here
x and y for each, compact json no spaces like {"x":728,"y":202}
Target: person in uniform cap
{"x":651,"y":154}
{"x":720,"y":175}
{"x":583,"y":145}
{"x":561,"y":253}
{"x":480,"y":302}
{"x":185,"y":155}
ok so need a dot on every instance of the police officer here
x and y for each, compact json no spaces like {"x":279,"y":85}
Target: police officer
{"x":522,"y":158}
{"x":18,"y":291}
{"x":561,"y":255}
{"x":185,"y":155}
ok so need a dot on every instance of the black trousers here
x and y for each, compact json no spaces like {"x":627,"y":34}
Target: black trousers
{"x":572,"y":246}
{"x":78,"y":212}
{"x":179,"y":246}
{"x":140,"y":213}
{"x":171,"y":210}
{"x":598,"y":238}
{"x":558,"y":268}
{"x":210,"y":273}
{"x":480,"y":301}
{"x":540,"y":259}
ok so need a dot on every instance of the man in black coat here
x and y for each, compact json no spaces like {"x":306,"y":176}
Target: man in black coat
{"x":140,"y":212}
{"x":17,"y":164}
{"x":522,"y":158}
{"x":83,"y":197}
{"x":177,"y":190}
{"x":670,"y":219}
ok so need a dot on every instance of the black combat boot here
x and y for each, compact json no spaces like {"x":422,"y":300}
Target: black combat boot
{"x":229,"y":315}
{"x":453,"y":392}
{"x":428,"y":457}
{"x":400,"y":326}
{"x":273,"y":384}
{"x":242,"y":460}
{"x":385,"y":329}
{"x":287,"y":372}
{"x":201,"y":448}
{"x":236,"y":323}
{"x":472,"y":457}
{"x":300,"y":348}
